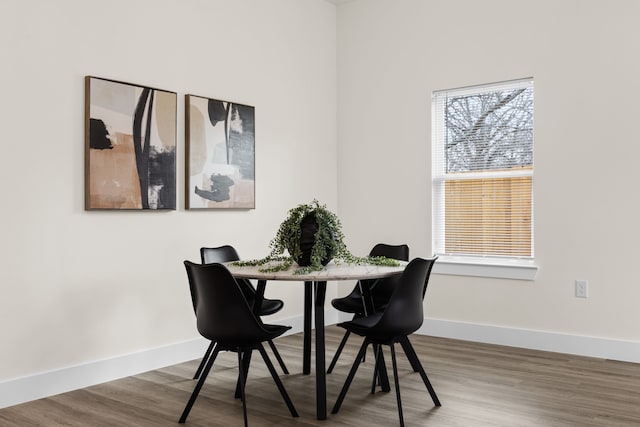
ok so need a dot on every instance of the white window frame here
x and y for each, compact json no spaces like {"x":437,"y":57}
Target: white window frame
{"x":520,"y":268}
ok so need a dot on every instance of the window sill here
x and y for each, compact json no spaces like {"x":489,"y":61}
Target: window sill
{"x":481,"y":267}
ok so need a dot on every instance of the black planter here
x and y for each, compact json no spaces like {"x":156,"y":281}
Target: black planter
{"x":308,"y":229}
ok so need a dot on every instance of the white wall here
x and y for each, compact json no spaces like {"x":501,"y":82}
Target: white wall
{"x":76,"y":286}
{"x":583,"y":57}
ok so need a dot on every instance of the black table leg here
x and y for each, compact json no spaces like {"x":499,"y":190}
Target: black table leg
{"x":321,"y":373}
{"x":259,"y":297}
{"x":306,"y":337}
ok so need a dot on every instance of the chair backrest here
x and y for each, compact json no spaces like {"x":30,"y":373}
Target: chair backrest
{"x":429,"y":268}
{"x":399,"y":252}
{"x":220,"y":254}
{"x":404,"y":312}
{"x":384,"y":287}
{"x":222,"y":312}
{"x":227,"y":253}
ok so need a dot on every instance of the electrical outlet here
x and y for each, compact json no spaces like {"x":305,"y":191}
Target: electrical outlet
{"x":582,"y":288}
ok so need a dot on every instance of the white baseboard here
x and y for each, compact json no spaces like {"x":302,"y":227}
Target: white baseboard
{"x":604,"y":348}
{"x":44,"y":384}
{"x":36,"y":386}
{"x":49,"y":383}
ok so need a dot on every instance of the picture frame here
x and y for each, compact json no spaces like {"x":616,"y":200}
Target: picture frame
{"x":220,"y":154}
{"x":130,"y":146}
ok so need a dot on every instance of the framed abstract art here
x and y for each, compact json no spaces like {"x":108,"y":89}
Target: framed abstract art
{"x":130,"y":146}
{"x":220,"y":154}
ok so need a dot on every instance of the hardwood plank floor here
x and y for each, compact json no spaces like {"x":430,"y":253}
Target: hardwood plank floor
{"x":478,"y":385}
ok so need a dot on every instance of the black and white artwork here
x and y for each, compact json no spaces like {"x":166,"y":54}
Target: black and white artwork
{"x":220,"y":145}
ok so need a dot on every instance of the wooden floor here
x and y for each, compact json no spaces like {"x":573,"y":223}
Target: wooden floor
{"x":478,"y":385}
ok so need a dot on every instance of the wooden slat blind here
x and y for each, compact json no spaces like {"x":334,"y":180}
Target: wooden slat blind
{"x":488,"y":217}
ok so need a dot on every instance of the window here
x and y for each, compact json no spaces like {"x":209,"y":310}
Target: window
{"x":483,"y":175}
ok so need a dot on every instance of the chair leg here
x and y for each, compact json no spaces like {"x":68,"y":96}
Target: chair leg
{"x":196,"y":390}
{"x":376,"y":359}
{"x":410,"y":352}
{"x":276,"y":379}
{"x":204,"y":360}
{"x":352,"y":373}
{"x":278,"y":357}
{"x":336,"y":356}
{"x":395,"y":379}
{"x":427,"y":383}
{"x":425,"y":379}
{"x":241,"y":384}
{"x":380,"y":376}
{"x":246,"y":361}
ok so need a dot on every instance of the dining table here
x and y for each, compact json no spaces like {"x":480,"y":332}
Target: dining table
{"x":315,"y":287}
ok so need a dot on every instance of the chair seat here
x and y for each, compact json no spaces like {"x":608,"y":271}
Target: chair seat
{"x":275,"y":330}
{"x":269,"y":332}
{"x":270,"y":306}
{"x":348,"y":304}
{"x":353,"y":305}
{"x":361,"y":326}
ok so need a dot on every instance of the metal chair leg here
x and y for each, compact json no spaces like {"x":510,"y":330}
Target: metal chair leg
{"x":278,"y":357}
{"x":196,"y":390}
{"x":246,"y":361}
{"x":336,"y":356}
{"x":203,"y":362}
{"x":352,"y":373}
{"x":376,"y":359}
{"x":380,"y":376}
{"x":276,"y":379}
{"x":241,"y":385}
{"x":427,"y":383}
{"x":395,"y":379}
{"x":410,"y":352}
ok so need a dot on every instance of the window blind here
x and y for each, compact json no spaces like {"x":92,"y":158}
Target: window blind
{"x":482,"y":163}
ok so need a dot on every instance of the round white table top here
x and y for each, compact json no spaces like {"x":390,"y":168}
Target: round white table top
{"x":332,"y":271}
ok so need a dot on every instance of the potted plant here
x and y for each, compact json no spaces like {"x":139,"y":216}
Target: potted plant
{"x":312,"y":236}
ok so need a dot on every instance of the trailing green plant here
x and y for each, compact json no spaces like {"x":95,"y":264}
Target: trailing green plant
{"x":329,"y":242}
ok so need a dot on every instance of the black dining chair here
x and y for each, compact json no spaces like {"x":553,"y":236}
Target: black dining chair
{"x":225,"y":317}
{"x":381,"y":291}
{"x":228,"y":253}
{"x":402,"y":316}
